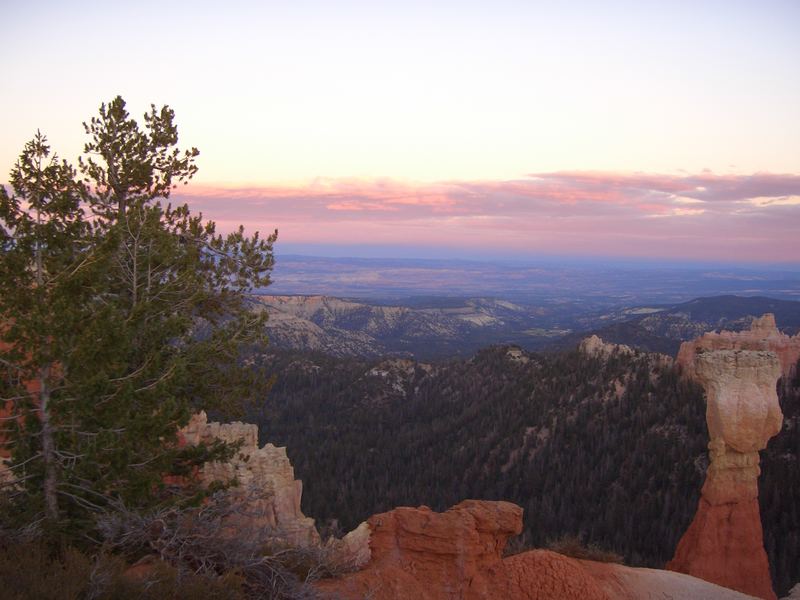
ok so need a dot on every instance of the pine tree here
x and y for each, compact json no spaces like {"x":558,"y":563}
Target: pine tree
{"x":43,"y":235}
{"x":139,"y":317}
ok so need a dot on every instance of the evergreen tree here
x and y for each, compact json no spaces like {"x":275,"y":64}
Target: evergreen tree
{"x":44,"y":237}
{"x":127,"y":314}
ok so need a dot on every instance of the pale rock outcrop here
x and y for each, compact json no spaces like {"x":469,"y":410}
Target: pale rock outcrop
{"x":270,"y":494}
{"x":419,"y":554}
{"x":724,"y":543}
{"x":596,"y":347}
{"x":762,"y":335}
{"x":742,"y":407}
{"x":626,"y":583}
{"x":352,"y":551}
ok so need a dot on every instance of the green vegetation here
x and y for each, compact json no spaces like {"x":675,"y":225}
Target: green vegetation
{"x":610,"y":452}
{"x":120,"y":315}
{"x":31,"y":571}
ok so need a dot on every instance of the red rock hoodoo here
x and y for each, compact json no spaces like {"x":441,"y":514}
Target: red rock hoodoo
{"x":739,"y":371}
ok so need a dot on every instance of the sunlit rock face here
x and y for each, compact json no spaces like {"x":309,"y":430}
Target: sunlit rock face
{"x":419,"y":554}
{"x":762,"y":335}
{"x":742,"y":401}
{"x":270,"y":494}
{"x":724,"y":543}
{"x":596,"y":347}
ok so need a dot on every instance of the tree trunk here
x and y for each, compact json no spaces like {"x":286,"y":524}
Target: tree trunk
{"x":48,"y":448}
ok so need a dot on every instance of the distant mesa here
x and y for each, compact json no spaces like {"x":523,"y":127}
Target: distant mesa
{"x":428,"y":328}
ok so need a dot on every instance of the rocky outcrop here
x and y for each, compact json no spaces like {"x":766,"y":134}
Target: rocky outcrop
{"x":596,"y":347}
{"x":352,"y":551}
{"x":265,"y":479}
{"x":626,"y":583}
{"x":762,"y":335}
{"x":724,"y":543}
{"x":424,"y":555}
{"x":418,"y":554}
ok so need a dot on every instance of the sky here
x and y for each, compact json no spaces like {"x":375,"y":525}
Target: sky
{"x":663,"y":130}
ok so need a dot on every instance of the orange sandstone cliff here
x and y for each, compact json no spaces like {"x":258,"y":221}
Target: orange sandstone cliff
{"x":419,"y":554}
{"x":739,"y":371}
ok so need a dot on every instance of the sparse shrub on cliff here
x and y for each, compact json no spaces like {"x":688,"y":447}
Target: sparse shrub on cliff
{"x":518,"y":544}
{"x":33,"y":571}
{"x":572,"y":546}
{"x":210,"y":540}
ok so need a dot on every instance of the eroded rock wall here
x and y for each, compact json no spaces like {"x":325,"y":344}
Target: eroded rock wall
{"x":265,"y":479}
{"x":419,"y":554}
{"x":762,"y":335}
{"x":594,"y":346}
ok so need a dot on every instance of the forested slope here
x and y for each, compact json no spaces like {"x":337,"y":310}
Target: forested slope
{"x":611,"y":450}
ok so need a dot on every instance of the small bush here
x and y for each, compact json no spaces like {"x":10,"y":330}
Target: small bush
{"x":32,"y":571}
{"x":220,"y":538}
{"x":518,"y":545}
{"x":166,"y":582}
{"x":572,"y":546}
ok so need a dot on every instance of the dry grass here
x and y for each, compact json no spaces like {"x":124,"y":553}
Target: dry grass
{"x":572,"y":546}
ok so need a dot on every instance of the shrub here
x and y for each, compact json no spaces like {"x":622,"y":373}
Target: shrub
{"x":33,"y":571}
{"x":572,"y":546}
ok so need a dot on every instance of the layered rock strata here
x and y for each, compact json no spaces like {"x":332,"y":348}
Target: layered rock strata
{"x":269,"y":493}
{"x":419,"y":554}
{"x":724,"y":543}
{"x":762,"y":335}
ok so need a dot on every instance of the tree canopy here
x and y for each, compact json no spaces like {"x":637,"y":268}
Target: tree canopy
{"x":121,"y":314}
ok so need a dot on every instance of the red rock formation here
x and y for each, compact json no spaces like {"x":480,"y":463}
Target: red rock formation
{"x":724,"y":543}
{"x":423,"y":555}
{"x":418,"y":554}
{"x":762,"y":335}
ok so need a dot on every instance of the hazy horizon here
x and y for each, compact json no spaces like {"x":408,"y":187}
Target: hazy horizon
{"x":593,"y":281}
{"x":660,"y":131}
{"x":456,"y":255}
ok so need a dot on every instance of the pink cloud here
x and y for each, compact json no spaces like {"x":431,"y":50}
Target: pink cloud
{"x":736,"y":217}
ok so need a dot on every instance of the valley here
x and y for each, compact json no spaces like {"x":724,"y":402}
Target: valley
{"x":442,"y":327}
{"x":606,"y":446}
